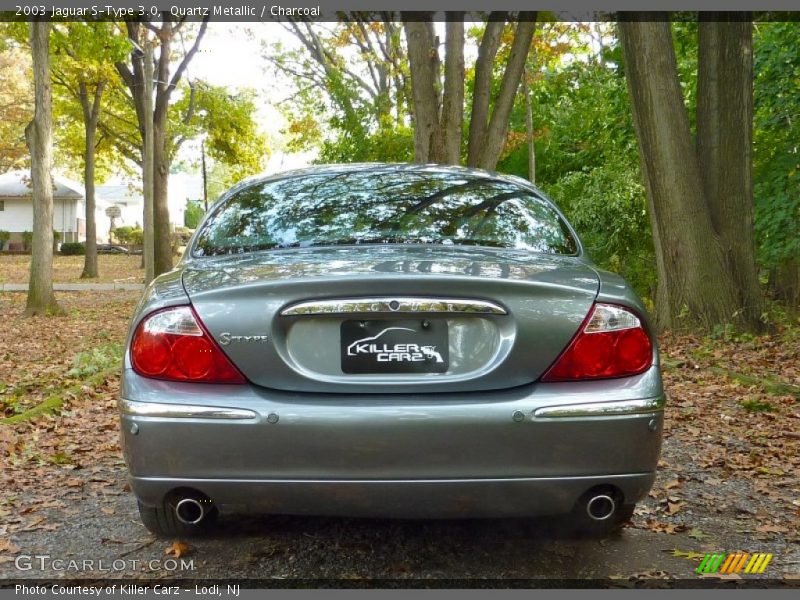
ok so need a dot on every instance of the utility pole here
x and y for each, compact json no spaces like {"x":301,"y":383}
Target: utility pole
{"x":205,"y":179}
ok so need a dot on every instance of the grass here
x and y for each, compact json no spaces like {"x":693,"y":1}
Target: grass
{"x":113,"y":268}
{"x":757,"y":406}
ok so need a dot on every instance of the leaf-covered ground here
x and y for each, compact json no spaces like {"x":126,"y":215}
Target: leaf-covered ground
{"x":113,"y":268}
{"x":729,"y":478}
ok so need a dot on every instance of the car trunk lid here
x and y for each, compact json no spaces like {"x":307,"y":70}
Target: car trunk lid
{"x":391,"y":319}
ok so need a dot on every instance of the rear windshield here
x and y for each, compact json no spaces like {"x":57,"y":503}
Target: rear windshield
{"x":404,"y":205}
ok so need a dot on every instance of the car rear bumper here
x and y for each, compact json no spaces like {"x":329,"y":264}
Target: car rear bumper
{"x":531,"y":450}
{"x":411,"y":499}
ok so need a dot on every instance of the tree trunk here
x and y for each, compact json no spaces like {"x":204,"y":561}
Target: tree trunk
{"x":785,"y":285}
{"x":724,"y":150}
{"x":698,"y":289}
{"x":423,"y":58}
{"x":529,"y":130}
{"x":482,"y":88}
{"x":162,"y":242}
{"x":146,"y":101}
{"x":492,"y":146}
{"x":39,"y":136}
{"x":140,"y":85}
{"x":91,"y":114}
{"x":452,"y":121}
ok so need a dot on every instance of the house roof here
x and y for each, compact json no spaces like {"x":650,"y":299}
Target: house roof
{"x":114,"y":193}
{"x":17,"y":184}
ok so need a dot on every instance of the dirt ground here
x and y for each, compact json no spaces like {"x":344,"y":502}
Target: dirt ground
{"x":113,"y":268}
{"x":728,"y":481}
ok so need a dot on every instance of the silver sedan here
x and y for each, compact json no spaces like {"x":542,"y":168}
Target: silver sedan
{"x":389,"y":340}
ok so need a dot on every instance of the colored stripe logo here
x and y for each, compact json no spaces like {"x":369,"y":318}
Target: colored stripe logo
{"x":728,"y":564}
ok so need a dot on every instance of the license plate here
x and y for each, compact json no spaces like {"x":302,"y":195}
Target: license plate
{"x":398,"y":346}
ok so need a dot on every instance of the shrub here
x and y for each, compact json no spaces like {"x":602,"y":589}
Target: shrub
{"x":194,"y":212}
{"x":4,"y":237}
{"x":27,"y":239}
{"x":184,"y":234}
{"x":73,"y":248}
{"x":123,"y":234}
{"x":136,"y":237}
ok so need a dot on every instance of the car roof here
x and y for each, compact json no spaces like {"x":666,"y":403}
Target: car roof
{"x":378,"y":167}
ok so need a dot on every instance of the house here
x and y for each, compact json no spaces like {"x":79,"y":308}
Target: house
{"x":129,"y":200}
{"x":128,"y":197}
{"x":69,"y":208}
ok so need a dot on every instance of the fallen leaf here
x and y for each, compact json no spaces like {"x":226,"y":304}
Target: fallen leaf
{"x":177,"y":549}
{"x":7,"y":546}
{"x":674,"y":507}
{"x":698,"y":534}
{"x":688,"y":554}
{"x":770,"y":528}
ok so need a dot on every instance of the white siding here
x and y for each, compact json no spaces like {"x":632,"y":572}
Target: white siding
{"x":17,"y":216}
{"x":64,"y":216}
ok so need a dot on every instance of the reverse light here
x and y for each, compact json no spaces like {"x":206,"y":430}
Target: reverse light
{"x":172,"y":344}
{"x":611,"y":343}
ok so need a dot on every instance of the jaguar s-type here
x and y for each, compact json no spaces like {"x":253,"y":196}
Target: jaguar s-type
{"x":377,"y":340}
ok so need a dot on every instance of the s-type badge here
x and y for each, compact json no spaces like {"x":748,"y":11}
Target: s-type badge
{"x":226,"y":338}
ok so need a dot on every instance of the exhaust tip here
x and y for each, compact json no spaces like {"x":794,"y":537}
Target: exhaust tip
{"x":601,"y":507}
{"x":189,"y":511}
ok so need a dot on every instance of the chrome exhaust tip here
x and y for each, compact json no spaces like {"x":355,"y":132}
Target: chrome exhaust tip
{"x":190,"y":511}
{"x":601,"y":507}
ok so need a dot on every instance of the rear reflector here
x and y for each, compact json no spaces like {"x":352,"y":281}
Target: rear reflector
{"x":171,"y":344}
{"x":611,"y":343}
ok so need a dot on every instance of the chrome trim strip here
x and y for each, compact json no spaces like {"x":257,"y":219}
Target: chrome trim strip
{"x":602,"y":409}
{"x":182,"y":411}
{"x":394,"y":305}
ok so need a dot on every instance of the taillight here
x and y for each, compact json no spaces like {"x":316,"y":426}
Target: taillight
{"x":172,"y":344}
{"x":611,"y":343}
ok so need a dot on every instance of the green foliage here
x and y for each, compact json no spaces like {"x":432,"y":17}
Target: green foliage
{"x":136,"y":236}
{"x":84,"y":54}
{"x":587,"y":162}
{"x":385,"y":145}
{"x":73,"y":249}
{"x":129,"y":235}
{"x":193,"y":213}
{"x":122,"y":233}
{"x":351,"y":100}
{"x":776,"y":159}
{"x":97,"y":360}
{"x":756,"y":406}
{"x":607,"y":205}
{"x":4,"y":237}
{"x":228,"y":122}
{"x":27,"y":239}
